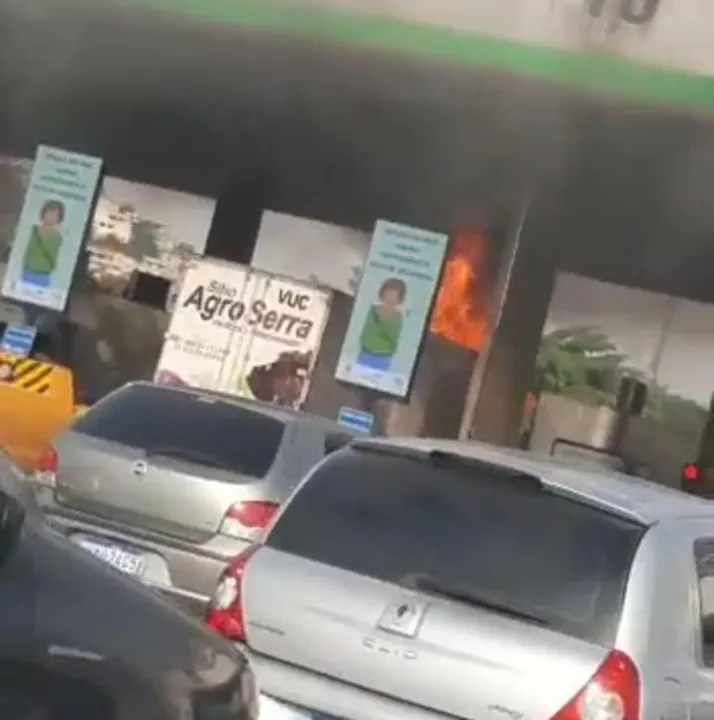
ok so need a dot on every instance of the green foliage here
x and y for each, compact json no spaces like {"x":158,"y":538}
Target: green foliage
{"x":684,"y":414}
{"x":582,"y":363}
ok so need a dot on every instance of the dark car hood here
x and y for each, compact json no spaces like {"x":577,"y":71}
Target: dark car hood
{"x":83,"y":606}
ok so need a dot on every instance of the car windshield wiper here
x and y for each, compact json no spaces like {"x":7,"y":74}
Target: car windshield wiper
{"x":460,"y":593}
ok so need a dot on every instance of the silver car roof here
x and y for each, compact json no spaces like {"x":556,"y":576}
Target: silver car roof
{"x":640,"y":499}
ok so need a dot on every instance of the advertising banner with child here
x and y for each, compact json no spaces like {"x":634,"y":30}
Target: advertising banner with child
{"x":392,"y":307}
{"x":51,"y":229}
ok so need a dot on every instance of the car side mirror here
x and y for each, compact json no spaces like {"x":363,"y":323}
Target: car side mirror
{"x":12,"y":519}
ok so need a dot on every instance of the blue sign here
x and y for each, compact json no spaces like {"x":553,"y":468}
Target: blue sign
{"x":49,"y":234}
{"x":392,"y":307}
{"x":357,"y":420}
{"x":18,"y":339}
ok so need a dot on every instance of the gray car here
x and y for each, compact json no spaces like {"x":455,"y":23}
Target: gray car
{"x":167,"y":484}
{"x":425,"y":579}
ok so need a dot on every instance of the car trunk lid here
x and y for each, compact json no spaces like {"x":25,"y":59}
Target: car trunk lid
{"x":449,"y":657}
{"x":154,"y":492}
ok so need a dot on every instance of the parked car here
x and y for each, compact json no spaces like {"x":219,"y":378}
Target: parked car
{"x":80,"y":640}
{"x":168,"y":484}
{"x":420,"y":579}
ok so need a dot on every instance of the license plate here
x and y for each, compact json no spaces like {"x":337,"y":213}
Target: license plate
{"x":270,"y":709}
{"x":127,"y":562}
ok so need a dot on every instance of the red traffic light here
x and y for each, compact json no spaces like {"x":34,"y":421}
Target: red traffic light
{"x":690,"y":472}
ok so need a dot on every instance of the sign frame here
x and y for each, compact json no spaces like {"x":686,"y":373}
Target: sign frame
{"x":246,"y":332}
{"x":52,"y":228}
{"x":399,"y":258}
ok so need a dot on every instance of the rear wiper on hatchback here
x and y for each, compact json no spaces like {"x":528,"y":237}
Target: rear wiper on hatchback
{"x":463,"y":594}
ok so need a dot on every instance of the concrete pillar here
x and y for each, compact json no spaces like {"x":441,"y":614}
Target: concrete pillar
{"x":236,"y":221}
{"x":505,"y":371}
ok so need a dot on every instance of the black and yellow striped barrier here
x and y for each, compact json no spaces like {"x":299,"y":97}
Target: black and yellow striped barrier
{"x":37,"y":400}
{"x":26,"y":373}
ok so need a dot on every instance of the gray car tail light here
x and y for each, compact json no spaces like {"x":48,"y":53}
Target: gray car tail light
{"x":45,"y":474}
{"x":225,"y":612}
{"x":613,"y":693}
{"x":251,"y":515}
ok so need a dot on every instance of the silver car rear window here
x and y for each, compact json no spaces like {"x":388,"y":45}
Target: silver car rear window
{"x":394,"y":517}
{"x":186,"y":426}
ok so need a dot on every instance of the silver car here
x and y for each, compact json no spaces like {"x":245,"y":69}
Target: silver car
{"x":167,"y":484}
{"x":424,"y":579}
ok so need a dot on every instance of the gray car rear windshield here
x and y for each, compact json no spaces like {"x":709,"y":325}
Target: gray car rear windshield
{"x":394,"y":517}
{"x":186,"y":426}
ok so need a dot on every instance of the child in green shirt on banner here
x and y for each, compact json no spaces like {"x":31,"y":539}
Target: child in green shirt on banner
{"x":382,"y":328}
{"x":43,"y":247}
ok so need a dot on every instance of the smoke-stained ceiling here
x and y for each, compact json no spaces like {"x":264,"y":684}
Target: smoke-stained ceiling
{"x":347,"y":137}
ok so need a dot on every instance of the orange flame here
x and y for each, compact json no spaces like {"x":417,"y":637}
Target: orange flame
{"x":461,"y":310}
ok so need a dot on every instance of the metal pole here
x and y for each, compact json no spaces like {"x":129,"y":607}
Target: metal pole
{"x":670,"y":312}
{"x":501,"y":293}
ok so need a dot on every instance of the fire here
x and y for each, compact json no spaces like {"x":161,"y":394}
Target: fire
{"x":461,"y":312}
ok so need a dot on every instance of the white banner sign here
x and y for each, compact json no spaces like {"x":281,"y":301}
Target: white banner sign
{"x":244,"y":332}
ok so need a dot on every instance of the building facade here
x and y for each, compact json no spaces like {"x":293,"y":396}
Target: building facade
{"x":575,"y":133}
